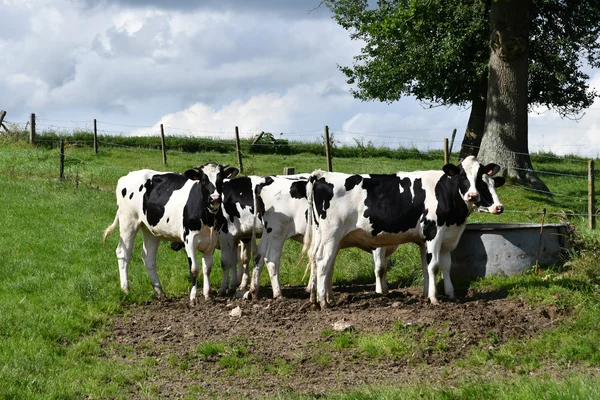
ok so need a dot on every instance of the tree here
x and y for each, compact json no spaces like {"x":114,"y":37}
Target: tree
{"x":506,"y":115}
{"x":439,"y":52}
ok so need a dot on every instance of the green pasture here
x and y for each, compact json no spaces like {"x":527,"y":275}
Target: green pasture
{"x":59,"y":286}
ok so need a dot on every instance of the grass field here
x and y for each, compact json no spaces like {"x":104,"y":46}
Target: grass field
{"x":59,"y":286}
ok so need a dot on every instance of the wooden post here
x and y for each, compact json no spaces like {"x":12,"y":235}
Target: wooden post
{"x":446,"y":155}
{"x":95,"y":137}
{"x":162,"y":143}
{"x":237,"y":148}
{"x":258,"y":138}
{"x":451,"y":143}
{"x":61,"y":169}
{"x":2,"y":115}
{"x":328,"y":149}
{"x":289,"y":170}
{"x":591,"y":196}
{"x":32,"y":128}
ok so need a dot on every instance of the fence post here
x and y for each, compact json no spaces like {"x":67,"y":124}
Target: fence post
{"x":32,"y":128}
{"x":257,"y":138}
{"x":451,"y":143}
{"x":61,"y":168}
{"x":95,"y":137}
{"x":328,"y":149}
{"x":446,"y":155}
{"x":2,"y":115}
{"x":289,"y":170}
{"x":162,"y":144}
{"x":591,"y":196}
{"x":237,"y":148}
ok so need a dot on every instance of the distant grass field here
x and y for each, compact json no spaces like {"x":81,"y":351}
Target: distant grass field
{"x":59,"y":286}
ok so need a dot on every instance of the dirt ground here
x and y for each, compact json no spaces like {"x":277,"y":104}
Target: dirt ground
{"x":286,"y":346}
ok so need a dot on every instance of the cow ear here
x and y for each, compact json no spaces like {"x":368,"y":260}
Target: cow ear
{"x":498,"y":181}
{"x":231,"y":172}
{"x":193,"y":174}
{"x":491,"y":169}
{"x":451,"y":169}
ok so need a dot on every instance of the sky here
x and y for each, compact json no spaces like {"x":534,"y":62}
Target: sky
{"x":201,"y":68}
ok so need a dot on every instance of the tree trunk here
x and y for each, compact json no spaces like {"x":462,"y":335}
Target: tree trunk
{"x":505,"y":133}
{"x":474,"y":131}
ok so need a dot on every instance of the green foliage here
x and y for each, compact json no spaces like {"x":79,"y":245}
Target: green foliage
{"x":438,"y":51}
{"x":280,"y":367}
{"x":522,"y":388}
{"x":210,"y":348}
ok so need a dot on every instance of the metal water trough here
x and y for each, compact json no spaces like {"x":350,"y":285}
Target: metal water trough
{"x":507,"y":249}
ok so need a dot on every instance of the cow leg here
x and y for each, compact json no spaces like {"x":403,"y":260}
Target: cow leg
{"x":312,"y":283}
{"x":423,"y":251}
{"x":329,"y":292}
{"x":445,"y":264}
{"x":324,"y":267}
{"x":433,"y":253}
{"x":245,"y":253}
{"x":259,"y":262}
{"x":380,"y":267}
{"x":190,"y":249}
{"x":228,"y":261}
{"x":124,"y":249}
{"x":272,"y":258}
{"x":149,"y":256}
{"x":207,"y":259}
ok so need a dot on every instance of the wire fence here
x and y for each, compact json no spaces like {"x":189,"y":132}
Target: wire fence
{"x":362,"y":141}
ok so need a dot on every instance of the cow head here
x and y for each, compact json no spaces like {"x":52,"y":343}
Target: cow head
{"x":211,"y":177}
{"x":476,"y":184}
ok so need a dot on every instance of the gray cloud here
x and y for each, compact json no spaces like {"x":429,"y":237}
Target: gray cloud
{"x":282,"y":8}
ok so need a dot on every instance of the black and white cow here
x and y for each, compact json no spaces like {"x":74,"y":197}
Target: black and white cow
{"x":236,"y":240}
{"x":172,"y":207}
{"x":236,"y":233}
{"x":283,"y":208}
{"x":429,"y":208}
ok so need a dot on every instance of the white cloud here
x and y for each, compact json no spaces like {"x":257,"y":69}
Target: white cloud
{"x":270,"y":112}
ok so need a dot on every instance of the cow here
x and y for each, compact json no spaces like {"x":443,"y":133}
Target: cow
{"x":173,"y":207}
{"x":429,"y":208}
{"x":283,"y":208}
{"x":236,"y":240}
{"x":234,"y":237}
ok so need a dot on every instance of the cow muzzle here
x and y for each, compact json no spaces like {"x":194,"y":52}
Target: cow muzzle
{"x":473,"y":197}
{"x":493,"y":209}
{"x":215,"y":202}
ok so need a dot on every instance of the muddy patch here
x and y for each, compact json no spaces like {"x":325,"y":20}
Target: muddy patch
{"x":272,"y":347}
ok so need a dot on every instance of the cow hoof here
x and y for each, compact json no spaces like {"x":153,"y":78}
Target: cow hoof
{"x":434,"y":301}
{"x":248,"y":296}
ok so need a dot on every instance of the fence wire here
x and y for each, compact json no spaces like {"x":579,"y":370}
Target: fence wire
{"x":388,"y":138}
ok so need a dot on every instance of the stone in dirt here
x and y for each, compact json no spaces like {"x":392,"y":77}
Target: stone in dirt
{"x":343,"y":325}
{"x":236,"y":312}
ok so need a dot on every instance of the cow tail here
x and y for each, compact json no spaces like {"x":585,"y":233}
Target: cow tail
{"x":310,"y":219}
{"x":111,"y":228}
{"x":257,"y":190}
